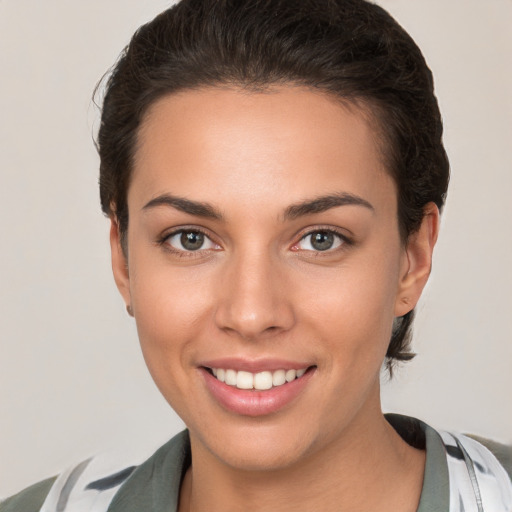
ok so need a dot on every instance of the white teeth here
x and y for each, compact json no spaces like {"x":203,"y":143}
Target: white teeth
{"x":290,"y":375}
{"x":230,"y":377}
{"x":278,"y":378}
{"x":260,"y":381}
{"x":263,"y":380}
{"x":244,"y":380}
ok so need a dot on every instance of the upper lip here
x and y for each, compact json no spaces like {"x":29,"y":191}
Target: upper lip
{"x":254,"y":365}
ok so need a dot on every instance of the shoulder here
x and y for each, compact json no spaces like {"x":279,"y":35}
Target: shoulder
{"x":462,"y":469}
{"x":418,"y":434}
{"x":501,"y":451}
{"x":108,"y":481}
{"x":30,"y":499}
{"x":477,"y":472}
{"x":487,"y":455}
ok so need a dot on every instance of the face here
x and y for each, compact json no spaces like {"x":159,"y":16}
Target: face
{"x":264,"y":269}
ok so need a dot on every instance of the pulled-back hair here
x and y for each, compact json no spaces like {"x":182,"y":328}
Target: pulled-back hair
{"x":351,"y":49}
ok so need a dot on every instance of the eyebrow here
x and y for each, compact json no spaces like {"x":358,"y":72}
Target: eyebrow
{"x":308,"y":207}
{"x":324,"y":203}
{"x":196,"y":208}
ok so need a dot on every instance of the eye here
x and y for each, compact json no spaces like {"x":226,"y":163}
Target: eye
{"x":190,"y":240}
{"x":321,"y":240}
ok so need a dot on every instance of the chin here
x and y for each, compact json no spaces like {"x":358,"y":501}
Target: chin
{"x":258,"y":446}
{"x":261,"y":455}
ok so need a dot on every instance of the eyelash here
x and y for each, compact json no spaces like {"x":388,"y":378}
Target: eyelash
{"x":163,"y":241}
{"x":345,"y":242}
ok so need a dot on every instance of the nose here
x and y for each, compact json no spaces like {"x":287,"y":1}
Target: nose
{"x":254,"y":298}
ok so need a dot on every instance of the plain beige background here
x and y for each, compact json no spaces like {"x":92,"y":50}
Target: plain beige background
{"x":72,"y":380}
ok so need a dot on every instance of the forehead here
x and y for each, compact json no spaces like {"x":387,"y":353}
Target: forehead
{"x":264,"y":147}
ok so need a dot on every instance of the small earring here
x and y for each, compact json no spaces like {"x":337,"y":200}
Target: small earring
{"x":129,"y":310}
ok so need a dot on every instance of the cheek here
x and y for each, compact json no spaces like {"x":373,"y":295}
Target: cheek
{"x":172,"y":307}
{"x":354,"y":308}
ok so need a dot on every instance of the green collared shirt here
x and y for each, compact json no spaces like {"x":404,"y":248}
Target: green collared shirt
{"x":154,"y":485}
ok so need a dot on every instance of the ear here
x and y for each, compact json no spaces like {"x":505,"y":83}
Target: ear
{"x":119,"y":262}
{"x":417,"y":261}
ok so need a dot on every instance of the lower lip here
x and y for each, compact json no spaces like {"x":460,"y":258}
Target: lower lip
{"x":252,"y":402}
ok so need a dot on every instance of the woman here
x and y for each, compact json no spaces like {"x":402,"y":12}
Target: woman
{"x":273,"y":174}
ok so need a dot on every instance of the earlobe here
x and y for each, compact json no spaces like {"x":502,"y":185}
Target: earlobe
{"x":417,"y":261}
{"x":119,"y":262}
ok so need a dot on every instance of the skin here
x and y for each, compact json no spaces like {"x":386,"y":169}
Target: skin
{"x":259,"y":290}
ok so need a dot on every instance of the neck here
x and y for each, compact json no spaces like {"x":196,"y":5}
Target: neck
{"x":370,"y":467}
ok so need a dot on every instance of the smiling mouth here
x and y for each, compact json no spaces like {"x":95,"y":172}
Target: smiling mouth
{"x":260,"y":381}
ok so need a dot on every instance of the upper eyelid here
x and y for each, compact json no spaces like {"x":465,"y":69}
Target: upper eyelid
{"x":344,"y":234}
{"x":325,"y":230}
{"x":181,"y":229}
{"x":166,"y":235}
